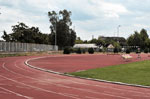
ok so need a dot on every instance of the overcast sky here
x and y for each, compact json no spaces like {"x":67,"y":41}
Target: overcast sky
{"x":90,"y":17}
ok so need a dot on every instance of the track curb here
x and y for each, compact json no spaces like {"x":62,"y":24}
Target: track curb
{"x":86,"y":78}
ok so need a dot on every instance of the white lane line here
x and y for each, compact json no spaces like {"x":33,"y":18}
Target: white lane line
{"x":41,"y":89}
{"x":90,"y":84}
{"x":100,"y":86}
{"x":89,"y":91}
{"x":22,"y":87}
{"x":2,"y":92}
{"x":92,"y":97}
{"x":17,"y":94}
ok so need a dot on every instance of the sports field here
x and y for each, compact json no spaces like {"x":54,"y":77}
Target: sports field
{"x":132,"y":73}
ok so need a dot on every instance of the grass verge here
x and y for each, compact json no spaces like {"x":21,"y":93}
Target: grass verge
{"x":13,"y":54}
{"x":132,"y":73}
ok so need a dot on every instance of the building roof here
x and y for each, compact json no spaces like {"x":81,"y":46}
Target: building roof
{"x":85,"y":46}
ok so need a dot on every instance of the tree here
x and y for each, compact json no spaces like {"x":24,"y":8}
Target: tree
{"x":73,"y":37}
{"x":6,"y":37}
{"x":60,"y":27}
{"x":93,"y":41}
{"x":100,"y":42}
{"x":139,"y":39}
{"x":24,"y":34}
{"x":78,"y":41}
{"x":147,"y":43}
{"x":134,"y":40}
{"x":144,"y":37}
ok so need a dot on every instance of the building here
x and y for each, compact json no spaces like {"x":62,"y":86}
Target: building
{"x":110,"y":48}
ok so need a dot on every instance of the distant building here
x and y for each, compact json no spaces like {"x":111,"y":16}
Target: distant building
{"x":110,"y":48}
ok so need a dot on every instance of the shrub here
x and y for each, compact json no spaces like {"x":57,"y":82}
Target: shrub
{"x":67,"y":50}
{"x":91,"y":51}
{"x":83,"y":51}
{"x":116,"y":50}
{"x":146,"y":50}
{"x":128,"y":51}
{"x":78,"y":51}
{"x":100,"y":50}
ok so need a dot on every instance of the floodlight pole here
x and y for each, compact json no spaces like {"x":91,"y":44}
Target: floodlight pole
{"x":118,"y":30}
{"x":55,"y":35}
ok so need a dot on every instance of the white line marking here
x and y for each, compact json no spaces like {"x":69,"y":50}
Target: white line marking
{"x":90,"y":91}
{"x":83,"y":83}
{"x":37,"y":88}
{"x":20,"y":95}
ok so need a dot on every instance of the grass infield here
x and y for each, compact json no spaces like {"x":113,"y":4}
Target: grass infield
{"x":132,"y":73}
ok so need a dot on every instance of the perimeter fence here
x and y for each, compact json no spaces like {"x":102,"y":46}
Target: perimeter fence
{"x":25,"y":47}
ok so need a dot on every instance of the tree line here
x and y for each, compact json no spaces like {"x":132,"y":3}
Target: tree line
{"x":137,"y":40}
{"x":60,"y":26}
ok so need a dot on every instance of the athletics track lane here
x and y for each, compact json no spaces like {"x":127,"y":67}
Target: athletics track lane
{"x":17,"y":81}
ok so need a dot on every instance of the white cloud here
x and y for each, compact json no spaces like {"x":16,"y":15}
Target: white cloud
{"x":91,"y":17}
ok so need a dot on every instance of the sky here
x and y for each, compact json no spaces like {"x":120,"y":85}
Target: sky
{"x":89,"y":17}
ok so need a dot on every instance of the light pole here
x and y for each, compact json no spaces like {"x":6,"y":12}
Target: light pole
{"x":56,"y":18}
{"x":55,"y":35}
{"x":118,"y":30}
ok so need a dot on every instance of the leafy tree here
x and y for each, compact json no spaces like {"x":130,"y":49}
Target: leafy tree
{"x":73,"y":37}
{"x":139,"y":39}
{"x":144,"y":37}
{"x":147,"y":43}
{"x":93,"y":41}
{"x":60,"y":27}
{"x":24,"y":34}
{"x":79,"y":41}
{"x":100,"y":42}
{"x":6,"y":37}
{"x":134,"y":40}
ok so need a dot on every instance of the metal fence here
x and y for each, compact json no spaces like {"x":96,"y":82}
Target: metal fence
{"x":25,"y":47}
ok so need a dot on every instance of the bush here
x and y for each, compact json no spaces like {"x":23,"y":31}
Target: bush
{"x":91,"y":51}
{"x":67,"y":50}
{"x":146,"y":50}
{"x":83,"y":51}
{"x":136,"y":51}
{"x":128,"y":51}
{"x":78,"y":51}
{"x":116,"y":50}
{"x":100,"y":50}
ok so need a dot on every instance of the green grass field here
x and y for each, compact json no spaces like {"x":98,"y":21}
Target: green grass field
{"x":132,"y":73}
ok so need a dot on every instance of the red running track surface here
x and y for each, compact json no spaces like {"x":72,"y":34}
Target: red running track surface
{"x":73,"y":63}
{"x":18,"y":81}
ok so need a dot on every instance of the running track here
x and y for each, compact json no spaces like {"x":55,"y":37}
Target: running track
{"x":18,"y":81}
